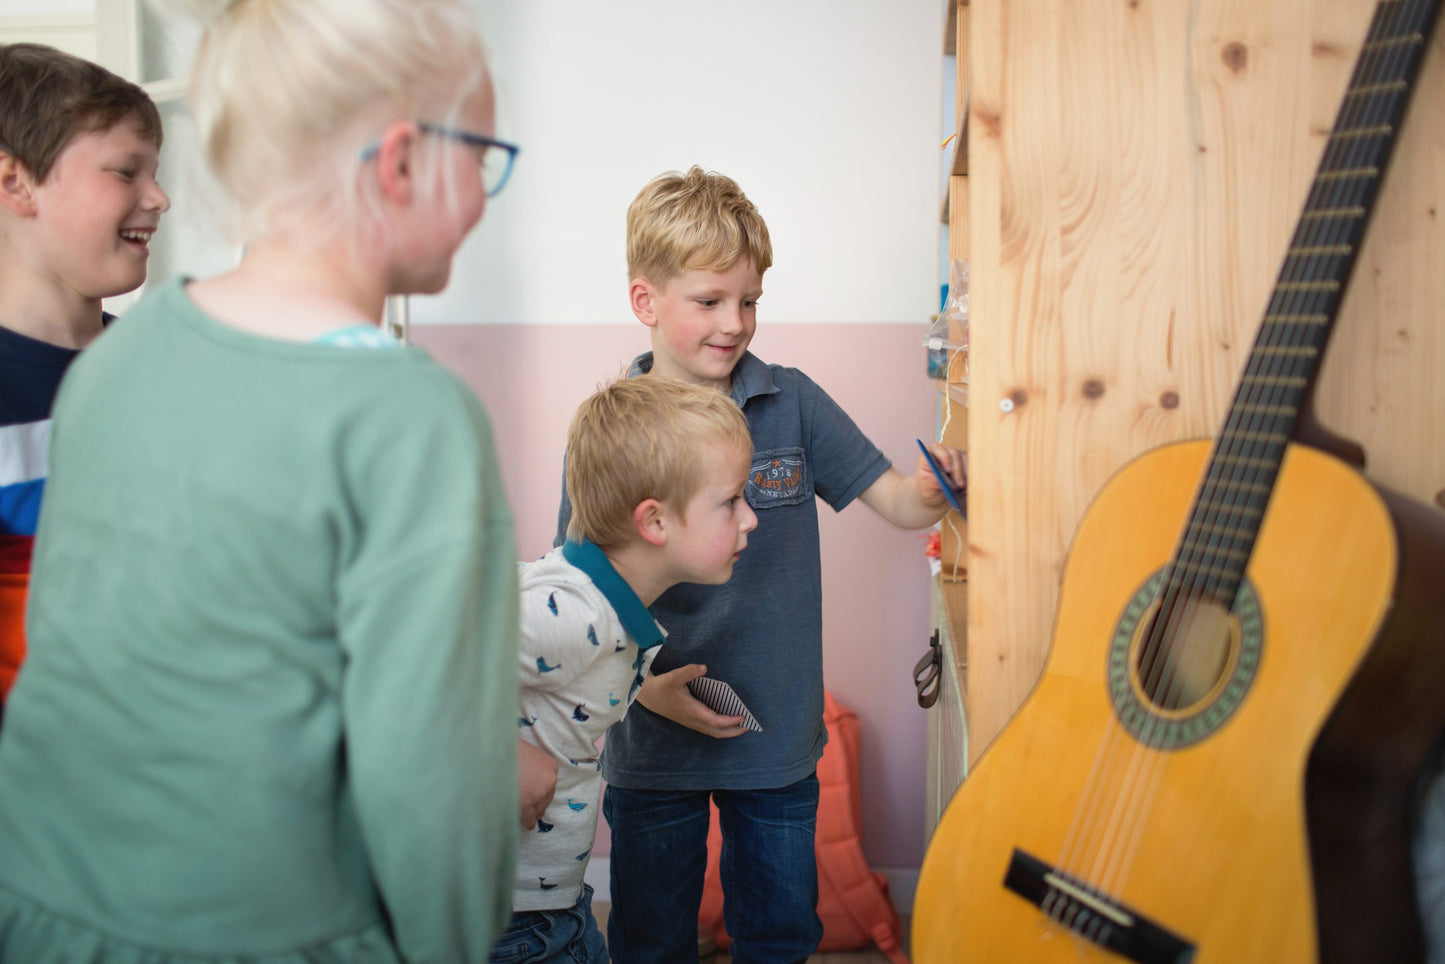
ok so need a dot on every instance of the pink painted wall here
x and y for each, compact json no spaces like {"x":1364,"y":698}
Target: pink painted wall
{"x":875,"y":578}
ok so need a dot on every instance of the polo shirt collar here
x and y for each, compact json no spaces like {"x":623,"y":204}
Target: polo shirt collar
{"x":635,"y":618}
{"x":751,"y":377}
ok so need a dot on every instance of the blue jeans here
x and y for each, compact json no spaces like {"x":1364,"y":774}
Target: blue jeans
{"x":768,"y":867}
{"x":568,"y":936}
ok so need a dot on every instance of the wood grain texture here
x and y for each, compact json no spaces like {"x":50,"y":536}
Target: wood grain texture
{"x":1135,"y":170}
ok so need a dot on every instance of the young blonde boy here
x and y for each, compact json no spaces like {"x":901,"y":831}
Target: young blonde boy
{"x":655,"y":470}
{"x":78,"y":204}
{"x":697,"y":250}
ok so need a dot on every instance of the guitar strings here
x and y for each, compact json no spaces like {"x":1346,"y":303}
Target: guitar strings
{"x":1114,"y":856}
{"x":1250,"y":462}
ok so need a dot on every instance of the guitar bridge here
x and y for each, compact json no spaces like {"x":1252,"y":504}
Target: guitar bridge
{"x":1093,"y":916}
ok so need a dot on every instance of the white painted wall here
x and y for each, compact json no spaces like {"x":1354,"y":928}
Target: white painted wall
{"x":66,"y":24}
{"x":47,"y":8}
{"x":825,"y":111}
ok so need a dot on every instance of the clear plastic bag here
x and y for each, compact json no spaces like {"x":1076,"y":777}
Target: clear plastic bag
{"x":943,"y":337}
{"x":956,"y":308}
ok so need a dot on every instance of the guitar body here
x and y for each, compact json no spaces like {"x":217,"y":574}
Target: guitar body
{"x":1209,"y":839}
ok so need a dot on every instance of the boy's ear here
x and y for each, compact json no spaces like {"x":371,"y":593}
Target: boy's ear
{"x":17,"y":187}
{"x":641,"y":294}
{"x":648,"y":520}
{"x":396,"y":161}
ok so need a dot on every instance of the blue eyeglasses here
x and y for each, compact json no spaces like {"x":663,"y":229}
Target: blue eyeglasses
{"x":496,"y":157}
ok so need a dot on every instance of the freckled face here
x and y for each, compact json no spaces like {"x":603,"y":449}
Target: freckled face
{"x":96,"y":212}
{"x":704,"y":541}
{"x":702,"y":322}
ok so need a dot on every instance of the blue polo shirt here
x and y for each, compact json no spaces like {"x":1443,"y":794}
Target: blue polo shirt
{"x":761,"y":632}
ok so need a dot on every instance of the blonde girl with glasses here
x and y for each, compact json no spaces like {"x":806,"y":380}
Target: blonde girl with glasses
{"x":269,"y":711}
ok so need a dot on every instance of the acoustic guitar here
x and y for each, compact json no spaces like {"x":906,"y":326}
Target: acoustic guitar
{"x":1246,"y":682}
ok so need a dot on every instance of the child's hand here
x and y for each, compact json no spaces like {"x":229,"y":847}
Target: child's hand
{"x":954,"y":465}
{"x":536,"y":781}
{"x":666,"y":694}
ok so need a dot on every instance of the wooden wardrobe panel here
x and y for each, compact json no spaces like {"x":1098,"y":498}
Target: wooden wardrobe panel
{"x":1135,"y":171}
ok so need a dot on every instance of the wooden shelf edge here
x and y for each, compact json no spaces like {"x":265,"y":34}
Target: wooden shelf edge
{"x":960,"y":147}
{"x":950,"y":25}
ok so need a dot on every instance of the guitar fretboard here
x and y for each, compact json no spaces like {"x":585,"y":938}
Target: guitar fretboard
{"x":1225,"y":520}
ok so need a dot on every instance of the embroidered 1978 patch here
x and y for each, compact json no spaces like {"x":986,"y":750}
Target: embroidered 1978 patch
{"x":778,"y":478}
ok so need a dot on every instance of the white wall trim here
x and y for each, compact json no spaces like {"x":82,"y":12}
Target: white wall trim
{"x":74,"y":33}
{"x":59,"y":21}
{"x":117,"y":28}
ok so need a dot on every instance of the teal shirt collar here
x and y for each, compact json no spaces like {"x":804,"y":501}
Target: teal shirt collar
{"x":638,"y":622}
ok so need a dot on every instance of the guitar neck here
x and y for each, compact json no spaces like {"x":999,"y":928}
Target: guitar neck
{"x":1224,"y":522}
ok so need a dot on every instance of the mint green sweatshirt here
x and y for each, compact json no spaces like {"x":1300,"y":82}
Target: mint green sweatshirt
{"x":268,"y":707}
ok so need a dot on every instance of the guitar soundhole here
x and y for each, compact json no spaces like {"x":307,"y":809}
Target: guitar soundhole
{"x":1176,"y":676}
{"x":1182,"y":658}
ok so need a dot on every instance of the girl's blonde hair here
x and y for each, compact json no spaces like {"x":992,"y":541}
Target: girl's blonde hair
{"x":639,"y":439}
{"x":695,"y":220}
{"x":286,"y":93}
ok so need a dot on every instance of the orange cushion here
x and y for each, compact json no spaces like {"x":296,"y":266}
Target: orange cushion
{"x":853,"y":900}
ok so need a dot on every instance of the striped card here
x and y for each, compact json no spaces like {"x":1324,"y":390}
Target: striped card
{"x":720,"y":698}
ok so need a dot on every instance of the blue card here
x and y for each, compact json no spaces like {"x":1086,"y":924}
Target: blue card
{"x":949,"y":492}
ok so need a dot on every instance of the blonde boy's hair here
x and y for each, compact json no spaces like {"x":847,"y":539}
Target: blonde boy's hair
{"x":49,"y":97}
{"x":643,"y":438}
{"x":700,"y":220}
{"x":288,"y":93}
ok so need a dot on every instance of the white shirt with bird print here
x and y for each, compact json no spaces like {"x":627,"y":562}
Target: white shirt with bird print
{"x":587,"y":641}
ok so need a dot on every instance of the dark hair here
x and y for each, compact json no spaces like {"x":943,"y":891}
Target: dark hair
{"x":47,"y":97}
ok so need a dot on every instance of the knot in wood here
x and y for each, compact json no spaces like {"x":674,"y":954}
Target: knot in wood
{"x":1235,"y":56}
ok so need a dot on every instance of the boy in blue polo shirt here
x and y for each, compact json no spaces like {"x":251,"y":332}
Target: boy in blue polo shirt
{"x":656,"y":469}
{"x":697,"y":250}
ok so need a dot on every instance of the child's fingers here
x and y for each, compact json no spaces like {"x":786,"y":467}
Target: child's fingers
{"x":960,"y":469}
{"x":536,"y":781}
{"x":952,"y":462}
{"x":721,"y":727}
{"x":927,"y":483}
{"x":667,"y":695}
